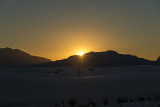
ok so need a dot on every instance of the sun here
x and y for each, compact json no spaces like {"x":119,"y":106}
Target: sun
{"x":80,"y":53}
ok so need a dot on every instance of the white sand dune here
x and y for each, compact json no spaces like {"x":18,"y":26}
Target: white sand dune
{"x":20,"y":86}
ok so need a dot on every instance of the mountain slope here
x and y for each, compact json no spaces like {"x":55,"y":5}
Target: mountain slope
{"x":158,"y":61}
{"x":16,"y":57}
{"x":108,"y":58}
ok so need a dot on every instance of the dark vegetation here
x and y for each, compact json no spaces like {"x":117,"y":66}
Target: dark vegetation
{"x":92,"y":103}
{"x":141,"y":99}
{"x":120,"y":101}
{"x":105,"y":102}
{"x":72,"y":102}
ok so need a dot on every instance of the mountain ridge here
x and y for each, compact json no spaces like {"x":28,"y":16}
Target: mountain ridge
{"x":107,"y":58}
{"x":16,"y":57}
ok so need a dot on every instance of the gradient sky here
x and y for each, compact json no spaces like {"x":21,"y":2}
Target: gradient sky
{"x":57,"y":29}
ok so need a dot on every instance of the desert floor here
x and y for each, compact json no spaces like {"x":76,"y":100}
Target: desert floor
{"x":133,"y":86}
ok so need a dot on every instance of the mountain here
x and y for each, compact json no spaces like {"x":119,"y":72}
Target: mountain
{"x":16,"y":57}
{"x":108,"y":58}
{"x":158,"y":60}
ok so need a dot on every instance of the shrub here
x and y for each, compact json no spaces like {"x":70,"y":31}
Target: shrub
{"x":141,"y":99}
{"x":82,"y":105}
{"x":72,"y":102}
{"x":63,"y":103}
{"x":122,"y":100}
{"x":132,"y":99}
{"x":56,"y":105}
{"x":105,"y":102}
{"x":92,"y":103}
{"x":149,"y":99}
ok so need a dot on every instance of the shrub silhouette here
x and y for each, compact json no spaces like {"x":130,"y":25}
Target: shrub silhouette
{"x":72,"y":102}
{"x":82,"y":105}
{"x":141,"y":99}
{"x":92,"y":103}
{"x":63,"y":104}
{"x":132,"y":99}
{"x":122,"y":100}
{"x":105,"y":102}
{"x":149,"y":99}
{"x":157,"y":98}
{"x":56,"y":105}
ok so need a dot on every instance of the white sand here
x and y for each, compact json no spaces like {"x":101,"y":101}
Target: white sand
{"x":42,"y":85}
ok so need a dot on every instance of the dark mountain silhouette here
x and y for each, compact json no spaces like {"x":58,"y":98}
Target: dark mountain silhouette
{"x":16,"y":57}
{"x":108,"y":58}
{"x":158,"y":60}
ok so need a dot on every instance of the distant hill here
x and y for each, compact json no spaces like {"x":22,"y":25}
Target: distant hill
{"x":108,"y":58}
{"x":16,"y":57}
{"x":158,"y":61}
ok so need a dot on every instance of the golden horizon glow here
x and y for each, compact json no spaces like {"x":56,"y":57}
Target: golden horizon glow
{"x":80,"y":53}
{"x":81,"y":26}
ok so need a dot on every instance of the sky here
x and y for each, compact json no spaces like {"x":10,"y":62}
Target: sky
{"x":56,"y":29}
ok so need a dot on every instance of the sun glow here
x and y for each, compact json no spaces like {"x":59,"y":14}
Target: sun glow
{"x":80,"y":53}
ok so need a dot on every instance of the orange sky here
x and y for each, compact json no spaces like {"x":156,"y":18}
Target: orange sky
{"x":57,"y":29}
